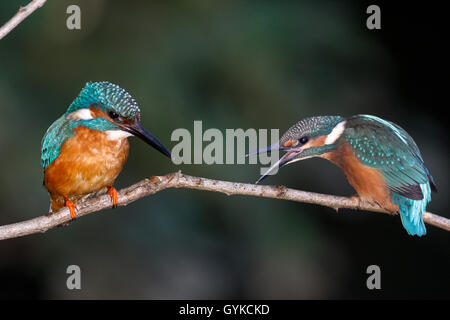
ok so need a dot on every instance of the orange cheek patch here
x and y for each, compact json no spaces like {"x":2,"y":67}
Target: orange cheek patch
{"x":317,"y":142}
{"x":97,"y":113}
{"x":289,"y":143}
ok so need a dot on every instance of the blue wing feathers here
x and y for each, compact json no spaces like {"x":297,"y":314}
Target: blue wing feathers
{"x":50,"y":143}
{"x":56,"y":135}
{"x":386,"y":146}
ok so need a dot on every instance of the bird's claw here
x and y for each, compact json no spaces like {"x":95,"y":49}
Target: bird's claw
{"x":113,"y":194}
{"x":72,"y":207}
{"x":357,"y":200}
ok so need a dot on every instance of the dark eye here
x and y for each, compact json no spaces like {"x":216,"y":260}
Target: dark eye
{"x":303,"y":140}
{"x":113,"y":115}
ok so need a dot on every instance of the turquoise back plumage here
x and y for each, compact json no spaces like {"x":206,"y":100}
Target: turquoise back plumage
{"x":103,"y":95}
{"x":385,"y":146}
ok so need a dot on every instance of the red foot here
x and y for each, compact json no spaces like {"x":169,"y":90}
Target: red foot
{"x":113,"y":194}
{"x":69,"y":204}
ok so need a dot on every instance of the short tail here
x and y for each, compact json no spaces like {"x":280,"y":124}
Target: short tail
{"x":411,"y":211}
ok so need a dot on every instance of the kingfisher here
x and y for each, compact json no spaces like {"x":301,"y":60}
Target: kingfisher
{"x":379,"y":159}
{"x":85,"y":149}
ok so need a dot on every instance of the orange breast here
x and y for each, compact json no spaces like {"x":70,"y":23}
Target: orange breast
{"x":368,"y":182}
{"x":88,"y":162}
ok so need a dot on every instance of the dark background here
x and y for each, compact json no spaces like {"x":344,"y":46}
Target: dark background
{"x":232,"y":64}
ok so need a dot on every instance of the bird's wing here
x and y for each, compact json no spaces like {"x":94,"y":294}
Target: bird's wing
{"x":385,"y":146}
{"x":53,"y":139}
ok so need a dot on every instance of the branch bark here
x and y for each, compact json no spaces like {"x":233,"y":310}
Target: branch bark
{"x":178,"y":180}
{"x":21,"y":15}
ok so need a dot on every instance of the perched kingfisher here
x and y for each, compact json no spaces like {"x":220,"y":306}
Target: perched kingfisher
{"x":85,"y":149}
{"x":379,"y":159}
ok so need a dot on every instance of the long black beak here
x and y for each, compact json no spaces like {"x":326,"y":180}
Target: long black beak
{"x":138,"y":130}
{"x":287,"y":158}
{"x":270,"y":148}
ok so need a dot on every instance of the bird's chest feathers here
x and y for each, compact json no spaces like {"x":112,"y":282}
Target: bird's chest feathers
{"x":92,"y":146}
{"x":368,"y":182}
{"x":88,"y":161}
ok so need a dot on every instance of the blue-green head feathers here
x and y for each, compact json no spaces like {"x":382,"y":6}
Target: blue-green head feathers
{"x":297,"y":136}
{"x":107,"y":97}
{"x":312,"y":127}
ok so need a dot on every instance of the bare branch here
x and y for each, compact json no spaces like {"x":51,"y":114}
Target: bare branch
{"x":20,"y":16}
{"x":178,"y":180}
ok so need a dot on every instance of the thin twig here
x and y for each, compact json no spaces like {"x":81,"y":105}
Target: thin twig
{"x":178,"y":180}
{"x":20,"y":16}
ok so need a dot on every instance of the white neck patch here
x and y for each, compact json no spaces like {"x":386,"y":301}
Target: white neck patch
{"x":81,"y":114}
{"x":117,"y":134}
{"x":336,"y":132}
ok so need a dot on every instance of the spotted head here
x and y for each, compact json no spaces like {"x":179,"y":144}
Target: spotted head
{"x":106,"y":107}
{"x":310,"y":137}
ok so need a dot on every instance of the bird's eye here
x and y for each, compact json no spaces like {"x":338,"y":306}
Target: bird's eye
{"x":113,"y":115}
{"x":303,"y":140}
